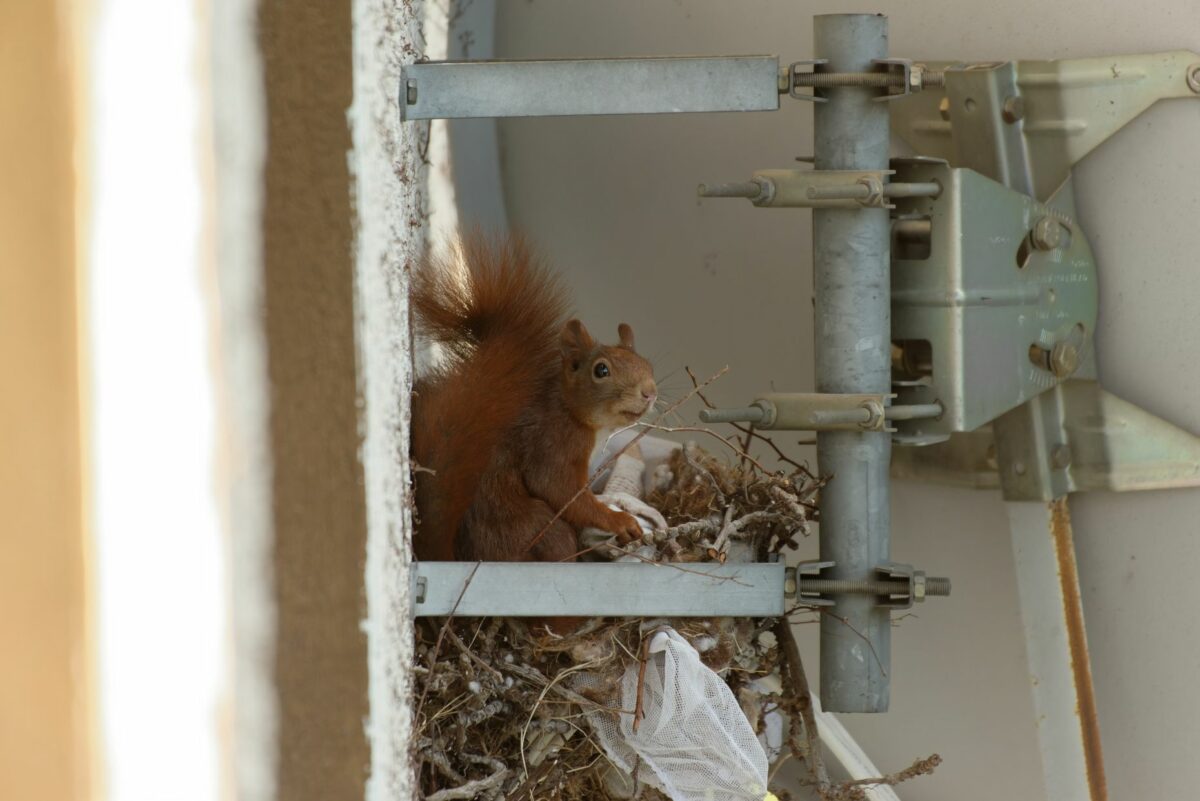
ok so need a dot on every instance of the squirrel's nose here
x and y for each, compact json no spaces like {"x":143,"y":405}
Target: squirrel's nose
{"x":649,"y":390}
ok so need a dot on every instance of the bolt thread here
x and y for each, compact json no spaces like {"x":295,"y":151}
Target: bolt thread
{"x":937,"y":585}
{"x":828,"y":80}
{"x":880,"y":80}
{"x":836,"y":586}
{"x":933,"y":586}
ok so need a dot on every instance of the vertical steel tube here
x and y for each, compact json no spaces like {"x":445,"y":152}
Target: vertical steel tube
{"x":853,"y":354}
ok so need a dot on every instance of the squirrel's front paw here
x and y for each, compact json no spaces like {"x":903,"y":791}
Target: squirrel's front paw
{"x":625,"y":526}
{"x":625,"y":502}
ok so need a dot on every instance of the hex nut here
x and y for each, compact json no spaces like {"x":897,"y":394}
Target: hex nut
{"x":875,"y":416}
{"x":1060,"y":456}
{"x":1064,"y":359}
{"x":1047,"y":234}
{"x":916,"y":77}
{"x":918,"y":586}
{"x":1193,"y":78}
{"x":1014,"y":109}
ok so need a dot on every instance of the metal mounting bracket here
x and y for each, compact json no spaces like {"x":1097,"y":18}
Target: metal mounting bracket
{"x":1025,"y":124}
{"x":464,"y":89}
{"x":897,"y":586}
{"x":795,"y":79}
{"x":639,"y":589}
{"x":1038,"y":118}
{"x":821,"y":189}
{"x":999,"y":282}
{"x":822,"y":411}
{"x":899,"y":78}
{"x":1095,"y":441}
{"x":814,"y":411}
{"x":590,"y":589}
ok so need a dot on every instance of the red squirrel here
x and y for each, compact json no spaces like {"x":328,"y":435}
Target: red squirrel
{"x":504,"y":428}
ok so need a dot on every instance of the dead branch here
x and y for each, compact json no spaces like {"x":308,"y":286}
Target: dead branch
{"x":473,"y":789}
{"x":794,"y":671}
{"x":437,"y":647}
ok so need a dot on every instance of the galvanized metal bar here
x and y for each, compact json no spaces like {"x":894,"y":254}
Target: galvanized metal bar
{"x":853,"y":354}
{"x":587,"y":589}
{"x":461,"y":89}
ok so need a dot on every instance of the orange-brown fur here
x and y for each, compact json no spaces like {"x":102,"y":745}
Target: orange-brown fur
{"x":507,"y":425}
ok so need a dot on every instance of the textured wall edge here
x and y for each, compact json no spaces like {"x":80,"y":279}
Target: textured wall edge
{"x":389,"y":189}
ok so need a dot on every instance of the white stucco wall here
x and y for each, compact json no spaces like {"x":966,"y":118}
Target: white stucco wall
{"x":389,"y":195}
{"x":611,"y":201}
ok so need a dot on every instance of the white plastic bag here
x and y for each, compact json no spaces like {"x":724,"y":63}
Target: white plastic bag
{"x":694,"y":742}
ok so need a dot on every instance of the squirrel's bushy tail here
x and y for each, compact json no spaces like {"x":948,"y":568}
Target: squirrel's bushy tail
{"x":498,"y":314}
{"x":487,"y":289}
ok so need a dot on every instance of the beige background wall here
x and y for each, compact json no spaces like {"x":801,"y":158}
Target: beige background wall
{"x":44,"y":670}
{"x":319,"y":516}
{"x":707,"y":284}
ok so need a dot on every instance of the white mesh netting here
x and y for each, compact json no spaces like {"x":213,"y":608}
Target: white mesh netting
{"x":694,"y":742}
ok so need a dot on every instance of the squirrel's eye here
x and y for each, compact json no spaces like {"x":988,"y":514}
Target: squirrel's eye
{"x":600,"y":370}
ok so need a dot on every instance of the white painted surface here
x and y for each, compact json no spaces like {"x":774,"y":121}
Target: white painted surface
{"x":1055,"y":693}
{"x":611,"y":200}
{"x":442,"y":202}
{"x":243,"y":413}
{"x":389,"y":198}
{"x":160,"y":563}
{"x":854,"y":761}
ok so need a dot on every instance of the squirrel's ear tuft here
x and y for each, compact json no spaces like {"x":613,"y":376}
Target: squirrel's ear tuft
{"x":625,"y":332}
{"x":576,"y":340}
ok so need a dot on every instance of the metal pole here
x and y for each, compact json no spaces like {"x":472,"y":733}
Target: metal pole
{"x":853,"y":354}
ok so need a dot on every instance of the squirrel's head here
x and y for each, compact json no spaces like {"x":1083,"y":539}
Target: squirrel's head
{"x":605,"y":386}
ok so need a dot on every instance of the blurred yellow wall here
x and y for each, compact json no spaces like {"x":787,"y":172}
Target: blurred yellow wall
{"x":43,"y":670}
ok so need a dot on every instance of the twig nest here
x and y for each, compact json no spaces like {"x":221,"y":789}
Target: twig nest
{"x":491,"y":689}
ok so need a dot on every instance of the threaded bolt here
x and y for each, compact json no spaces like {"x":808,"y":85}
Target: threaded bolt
{"x":879,"y":80}
{"x":1013,"y":110}
{"x":933,"y":586}
{"x":1047,"y":234}
{"x":937,"y":585}
{"x":751,"y":190}
{"x":1064,"y":359}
